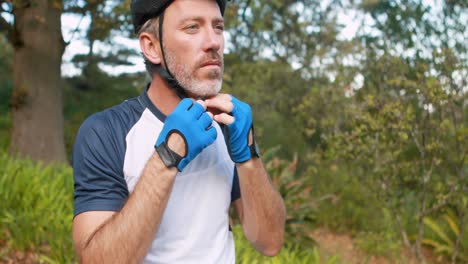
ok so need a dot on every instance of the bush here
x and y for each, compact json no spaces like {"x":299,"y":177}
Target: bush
{"x":301,"y":206}
{"x":442,"y":233}
{"x":36,"y":211}
{"x":245,"y":253}
{"x":5,"y":125}
{"x":351,"y":206}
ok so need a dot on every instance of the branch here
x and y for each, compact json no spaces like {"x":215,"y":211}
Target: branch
{"x":245,"y":10}
{"x":416,"y":142}
{"x":74,"y":31}
{"x":442,"y":203}
{"x":403,"y":234}
{"x":462,"y":221}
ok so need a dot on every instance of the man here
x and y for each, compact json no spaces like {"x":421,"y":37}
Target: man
{"x":155,"y":176}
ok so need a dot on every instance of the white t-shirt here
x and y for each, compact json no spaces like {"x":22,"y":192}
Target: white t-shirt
{"x":110,"y":152}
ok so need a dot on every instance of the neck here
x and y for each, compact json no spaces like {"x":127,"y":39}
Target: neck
{"x":162,"y":96}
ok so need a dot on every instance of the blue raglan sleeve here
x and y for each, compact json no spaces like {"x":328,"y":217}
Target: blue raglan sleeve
{"x":99,"y":183}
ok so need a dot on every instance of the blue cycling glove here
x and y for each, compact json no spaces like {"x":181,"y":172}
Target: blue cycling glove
{"x":193,"y":124}
{"x":237,"y":133}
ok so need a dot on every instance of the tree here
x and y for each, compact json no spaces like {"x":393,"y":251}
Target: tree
{"x":404,"y":130}
{"x":37,"y":117}
{"x":108,"y":19}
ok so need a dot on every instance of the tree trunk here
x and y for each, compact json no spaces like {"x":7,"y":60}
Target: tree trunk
{"x":37,"y":107}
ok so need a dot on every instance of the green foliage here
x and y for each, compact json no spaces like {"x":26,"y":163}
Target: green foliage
{"x":301,"y":207}
{"x":36,"y":211}
{"x":105,"y":18}
{"x":272,"y":89}
{"x":442,"y":235}
{"x":5,"y":125}
{"x":383,"y":241}
{"x":380,"y":244}
{"x":6,"y":57}
{"x":350,"y":204}
{"x":245,"y":253}
{"x":402,"y":133}
{"x":81,"y":102}
{"x":6,"y":90}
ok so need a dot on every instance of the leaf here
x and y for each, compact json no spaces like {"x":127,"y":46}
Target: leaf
{"x":438,"y":230}
{"x":451,"y":221}
{"x":438,"y":247}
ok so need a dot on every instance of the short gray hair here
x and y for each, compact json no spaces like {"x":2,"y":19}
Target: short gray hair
{"x":152,"y":27}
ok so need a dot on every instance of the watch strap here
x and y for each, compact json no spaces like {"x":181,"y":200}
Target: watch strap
{"x":254,"y":150}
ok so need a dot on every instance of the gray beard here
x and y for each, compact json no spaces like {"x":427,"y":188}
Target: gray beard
{"x":186,"y":78}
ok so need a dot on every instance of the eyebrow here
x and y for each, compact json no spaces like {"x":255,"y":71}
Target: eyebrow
{"x":200,"y":19}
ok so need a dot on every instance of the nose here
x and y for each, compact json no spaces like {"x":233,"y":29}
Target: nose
{"x":213,"y":40}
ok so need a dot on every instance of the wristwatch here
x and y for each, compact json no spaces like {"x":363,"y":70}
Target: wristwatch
{"x":168,"y":156}
{"x":254,"y":150}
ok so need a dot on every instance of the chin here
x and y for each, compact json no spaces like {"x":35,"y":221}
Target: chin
{"x":205,"y":90}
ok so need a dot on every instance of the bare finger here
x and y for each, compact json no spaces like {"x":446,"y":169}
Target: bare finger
{"x":220,"y":104}
{"x":224,"y":119}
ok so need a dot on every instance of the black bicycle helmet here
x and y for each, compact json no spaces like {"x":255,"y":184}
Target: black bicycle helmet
{"x":142,"y":11}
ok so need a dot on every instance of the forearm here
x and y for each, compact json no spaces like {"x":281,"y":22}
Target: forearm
{"x":264,"y":212}
{"x":127,"y":235}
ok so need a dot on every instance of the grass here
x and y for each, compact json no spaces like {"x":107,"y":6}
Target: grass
{"x":37,"y":208}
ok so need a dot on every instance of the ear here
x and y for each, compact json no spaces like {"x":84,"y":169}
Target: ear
{"x":149,"y":46}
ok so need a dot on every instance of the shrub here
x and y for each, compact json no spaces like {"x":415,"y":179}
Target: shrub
{"x":442,"y":234}
{"x":36,"y":211}
{"x":5,"y":125}
{"x":301,"y":206}
{"x":246,"y":254}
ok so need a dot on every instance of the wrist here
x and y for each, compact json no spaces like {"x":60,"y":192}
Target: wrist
{"x":158,"y":164}
{"x":172,"y":150}
{"x":253,"y":163}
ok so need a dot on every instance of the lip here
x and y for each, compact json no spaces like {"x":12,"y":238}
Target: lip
{"x":211,"y":63}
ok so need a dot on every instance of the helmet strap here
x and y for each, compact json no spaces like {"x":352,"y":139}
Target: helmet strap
{"x":164,"y":72}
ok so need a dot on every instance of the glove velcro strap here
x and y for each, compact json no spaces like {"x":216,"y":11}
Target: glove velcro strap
{"x":168,"y":157}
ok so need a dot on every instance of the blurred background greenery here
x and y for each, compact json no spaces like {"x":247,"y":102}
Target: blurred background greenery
{"x":363,"y":133}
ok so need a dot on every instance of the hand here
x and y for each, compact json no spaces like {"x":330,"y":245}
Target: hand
{"x":192,"y":123}
{"x":237,"y":116}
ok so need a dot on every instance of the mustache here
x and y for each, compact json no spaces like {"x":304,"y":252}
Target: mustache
{"x":210,"y":57}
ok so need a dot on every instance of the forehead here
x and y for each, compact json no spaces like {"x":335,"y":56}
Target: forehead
{"x":185,"y":9}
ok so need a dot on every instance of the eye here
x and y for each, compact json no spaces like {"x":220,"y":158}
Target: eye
{"x":192,"y":28}
{"x":219,"y":27}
